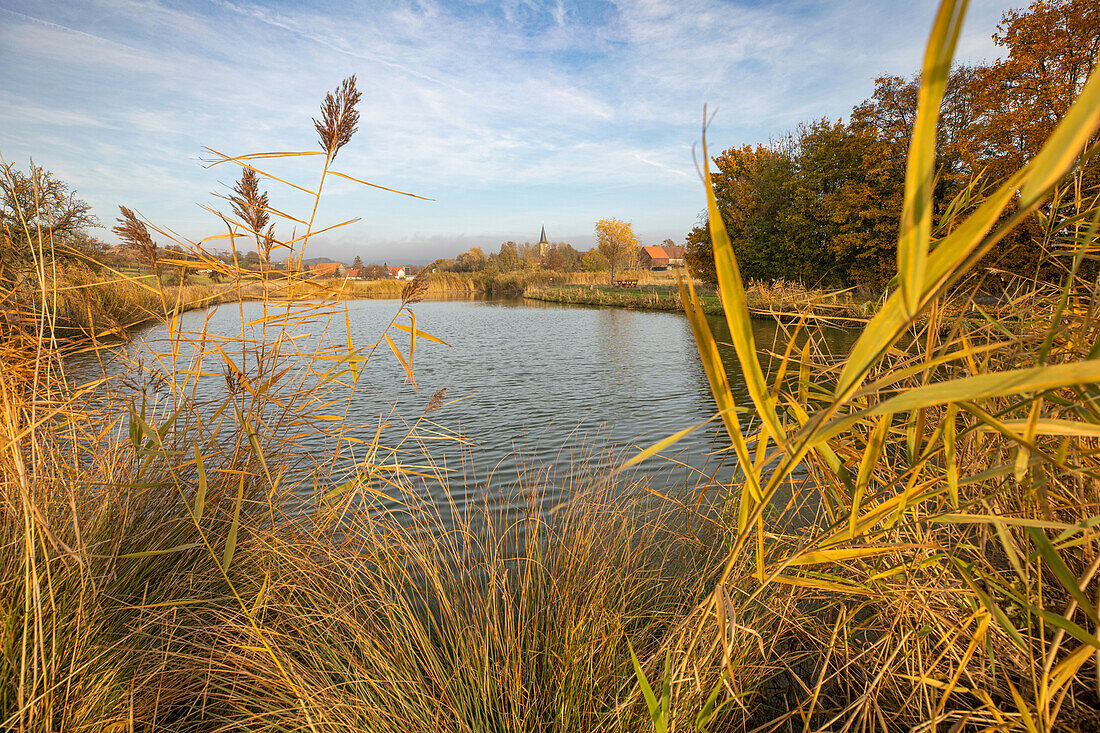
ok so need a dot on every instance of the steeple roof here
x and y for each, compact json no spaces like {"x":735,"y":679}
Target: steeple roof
{"x":543,"y":239}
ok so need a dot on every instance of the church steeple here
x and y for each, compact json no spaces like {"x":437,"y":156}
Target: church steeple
{"x":544,"y":243}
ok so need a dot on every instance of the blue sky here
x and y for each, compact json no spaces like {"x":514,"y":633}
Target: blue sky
{"x":512,"y":114}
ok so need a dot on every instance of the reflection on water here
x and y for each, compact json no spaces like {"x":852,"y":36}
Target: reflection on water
{"x":533,"y":385}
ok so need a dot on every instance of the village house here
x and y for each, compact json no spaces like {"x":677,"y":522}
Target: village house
{"x":663,"y":257}
{"x":355,"y":273}
{"x":398,"y":273}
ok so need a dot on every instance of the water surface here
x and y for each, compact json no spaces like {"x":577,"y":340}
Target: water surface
{"x":532,"y":387}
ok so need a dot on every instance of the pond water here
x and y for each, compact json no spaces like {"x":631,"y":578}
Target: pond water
{"x":532,"y":388}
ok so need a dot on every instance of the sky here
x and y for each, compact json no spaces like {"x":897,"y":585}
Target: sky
{"x":511,"y":114}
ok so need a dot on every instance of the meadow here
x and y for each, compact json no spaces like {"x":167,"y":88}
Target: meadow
{"x":912,"y":541}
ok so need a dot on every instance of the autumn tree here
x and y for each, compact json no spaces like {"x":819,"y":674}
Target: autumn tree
{"x":357,"y":262}
{"x":38,"y":205}
{"x":472,"y":260}
{"x":1052,"y":48}
{"x":594,"y":261}
{"x":615,"y":240}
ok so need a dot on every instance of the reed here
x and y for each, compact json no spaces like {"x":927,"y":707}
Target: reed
{"x":939,"y":481}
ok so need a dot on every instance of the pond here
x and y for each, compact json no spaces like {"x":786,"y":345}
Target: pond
{"x":534,"y":389}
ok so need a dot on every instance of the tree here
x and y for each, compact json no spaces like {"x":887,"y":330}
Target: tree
{"x":357,"y":262}
{"x":374,"y":272}
{"x":699,"y":253}
{"x":1052,"y":49}
{"x":593,"y":261}
{"x":38,"y":206}
{"x":472,"y":260}
{"x":616,"y":242}
{"x":507,"y":259}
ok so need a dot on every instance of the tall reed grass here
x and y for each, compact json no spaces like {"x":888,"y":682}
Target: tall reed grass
{"x":939,"y":482}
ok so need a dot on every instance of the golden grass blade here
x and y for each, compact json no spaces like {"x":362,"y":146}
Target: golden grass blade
{"x":818,"y":583}
{"x":157,"y":553}
{"x":375,"y":185}
{"x":916,"y":218}
{"x":265,"y":174}
{"x":867,"y":465}
{"x":412,"y":338}
{"x":200,"y":493}
{"x":671,"y":440}
{"x":1053,"y":426}
{"x":1067,"y":668}
{"x":401,"y":358}
{"x":951,"y":466}
{"x":420,"y":334}
{"x":819,"y":557}
{"x":723,"y":396}
{"x":735,"y":305}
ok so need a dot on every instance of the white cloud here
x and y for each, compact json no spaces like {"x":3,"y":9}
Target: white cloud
{"x":504,"y":110}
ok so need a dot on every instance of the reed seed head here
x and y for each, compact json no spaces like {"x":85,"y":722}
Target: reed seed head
{"x":250,"y":203}
{"x":415,"y":289}
{"x":133,"y":232}
{"x":436,"y":401}
{"x":339,"y":118}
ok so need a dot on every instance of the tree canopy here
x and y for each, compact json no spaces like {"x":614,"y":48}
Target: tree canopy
{"x":38,"y":206}
{"x":615,"y":240}
{"x":823,"y":204}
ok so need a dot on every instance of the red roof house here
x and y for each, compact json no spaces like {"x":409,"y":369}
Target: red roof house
{"x":654,"y":258}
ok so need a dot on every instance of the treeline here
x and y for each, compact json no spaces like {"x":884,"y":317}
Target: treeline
{"x":822,"y":205}
{"x":526,"y":257}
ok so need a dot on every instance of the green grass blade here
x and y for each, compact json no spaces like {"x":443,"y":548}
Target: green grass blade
{"x":1066,"y":578}
{"x":231,"y":538}
{"x":647,"y":691}
{"x":916,"y":220}
{"x":200,"y":494}
{"x":735,"y":305}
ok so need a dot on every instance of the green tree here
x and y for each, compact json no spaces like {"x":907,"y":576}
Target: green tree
{"x":357,"y":262}
{"x":594,"y":261}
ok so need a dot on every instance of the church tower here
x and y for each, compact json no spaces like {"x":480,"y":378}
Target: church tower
{"x":544,"y":243}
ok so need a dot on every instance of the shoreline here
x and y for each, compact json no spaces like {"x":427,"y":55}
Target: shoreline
{"x":763,"y":301}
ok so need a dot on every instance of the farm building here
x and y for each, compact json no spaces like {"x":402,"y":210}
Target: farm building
{"x":662,"y":258}
{"x":654,"y":258}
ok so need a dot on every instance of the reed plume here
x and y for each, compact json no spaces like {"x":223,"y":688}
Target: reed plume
{"x":133,"y":232}
{"x":339,"y":118}
{"x":250,"y":203}
{"x":415,"y":289}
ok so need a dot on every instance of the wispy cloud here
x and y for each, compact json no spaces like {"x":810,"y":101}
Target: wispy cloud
{"x":512,"y":113}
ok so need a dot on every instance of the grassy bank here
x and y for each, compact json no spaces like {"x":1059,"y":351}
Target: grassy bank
{"x":442,"y":284}
{"x":86,"y":304}
{"x":783,"y":300}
